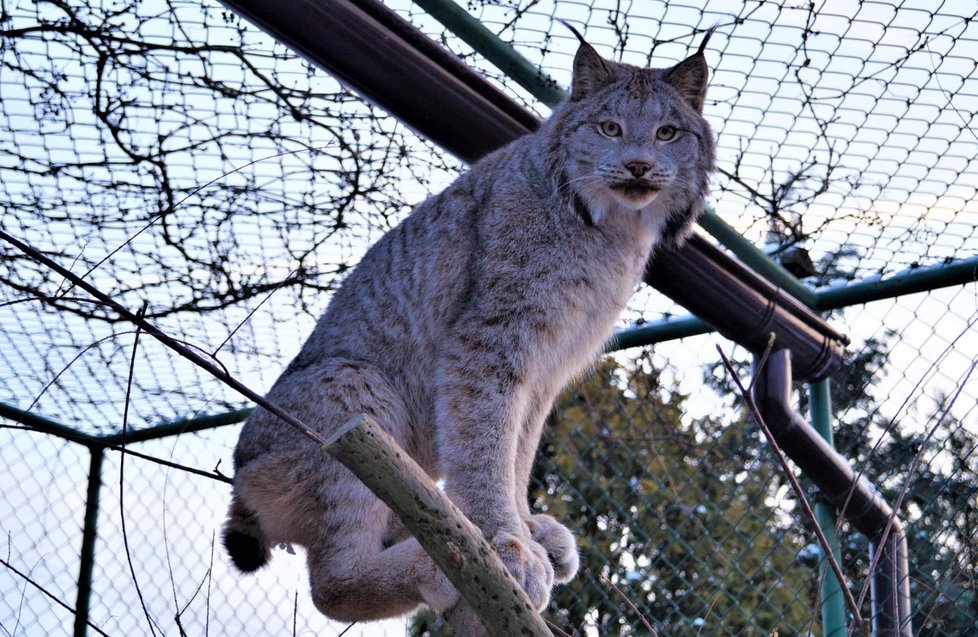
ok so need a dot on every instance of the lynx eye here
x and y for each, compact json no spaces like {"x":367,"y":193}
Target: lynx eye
{"x":610,"y":128}
{"x":665,"y":133}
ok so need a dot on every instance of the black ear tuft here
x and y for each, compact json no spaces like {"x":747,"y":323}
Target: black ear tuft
{"x":591,"y":71}
{"x":577,"y":34}
{"x":706,"y":39}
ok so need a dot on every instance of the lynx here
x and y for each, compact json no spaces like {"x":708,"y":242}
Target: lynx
{"x":459,"y":327}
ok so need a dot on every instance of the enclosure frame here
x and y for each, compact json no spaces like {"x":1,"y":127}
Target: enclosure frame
{"x":765,"y":296}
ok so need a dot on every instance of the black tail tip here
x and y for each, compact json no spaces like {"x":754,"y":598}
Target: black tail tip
{"x":248,"y":553}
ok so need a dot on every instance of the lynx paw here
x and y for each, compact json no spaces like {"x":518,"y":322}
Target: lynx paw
{"x":529,"y":565}
{"x":559,"y":544}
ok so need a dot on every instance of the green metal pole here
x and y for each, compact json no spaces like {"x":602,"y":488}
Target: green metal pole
{"x":177,"y":427}
{"x":833,"y":603}
{"x":89,"y":535}
{"x":922,"y":279}
{"x":503,"y":56}
{"x":657,"y":332}
{"x":751,"y":255}
{"x":44,"y":424}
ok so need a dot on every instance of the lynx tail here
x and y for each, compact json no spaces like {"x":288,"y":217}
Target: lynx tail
{"x":244,"y":540}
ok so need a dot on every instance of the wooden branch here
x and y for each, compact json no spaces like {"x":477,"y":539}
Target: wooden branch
{"x":466,"y":623}
{"x":452,"y":541}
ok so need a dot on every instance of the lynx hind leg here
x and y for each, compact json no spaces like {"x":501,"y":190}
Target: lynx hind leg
{"x":558,"y":542}
{"x":303,"y":495}
{"x":355,"y":578}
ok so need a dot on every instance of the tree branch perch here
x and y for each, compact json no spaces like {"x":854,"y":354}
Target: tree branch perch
{"x":453,"y":542}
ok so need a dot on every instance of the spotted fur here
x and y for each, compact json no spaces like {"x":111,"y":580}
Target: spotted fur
{"x":459,"y":327}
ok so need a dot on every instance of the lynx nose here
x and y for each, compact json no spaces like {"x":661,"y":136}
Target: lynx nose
{"x":638,"y":168}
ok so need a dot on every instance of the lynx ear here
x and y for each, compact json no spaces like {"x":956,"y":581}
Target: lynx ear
{"x":690,"y":76}
{"x":591,"y":71}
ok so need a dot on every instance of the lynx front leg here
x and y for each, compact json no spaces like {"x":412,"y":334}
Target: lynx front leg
{"x":478,"y":418}
{"x":555,"y":538}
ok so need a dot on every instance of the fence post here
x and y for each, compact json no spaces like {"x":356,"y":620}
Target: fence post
{"x":833,"y":604}
{"x":89,"y":535}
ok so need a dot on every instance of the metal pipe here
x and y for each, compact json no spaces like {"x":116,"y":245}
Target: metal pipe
{"x":89,"y":535}
{"x":745,"y":307}
{"x":833,"y":602}
{"x":909,"y":281}
{"x":853,"y":495}
{"x":392,"y":64}
{"x":890,"y":585}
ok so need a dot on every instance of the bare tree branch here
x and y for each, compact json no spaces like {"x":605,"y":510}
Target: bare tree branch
{"x":799,"y":493}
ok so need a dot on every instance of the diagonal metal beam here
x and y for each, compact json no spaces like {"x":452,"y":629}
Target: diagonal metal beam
{"x":366,"y":46}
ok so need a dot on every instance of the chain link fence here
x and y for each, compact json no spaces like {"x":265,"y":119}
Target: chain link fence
{"x":187,"y":164}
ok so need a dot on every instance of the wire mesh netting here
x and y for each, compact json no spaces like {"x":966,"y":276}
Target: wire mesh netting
{"x":181,"y":159}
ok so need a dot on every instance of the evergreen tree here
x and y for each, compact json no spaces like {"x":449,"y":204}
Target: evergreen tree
{"x":676,"y":514}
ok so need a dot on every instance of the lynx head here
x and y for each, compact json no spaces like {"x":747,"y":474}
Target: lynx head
{"x":634,"y":139}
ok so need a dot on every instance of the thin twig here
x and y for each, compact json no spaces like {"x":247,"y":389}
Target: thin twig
{"x":763,"y":360}
{"x":250,"y":314}
{"x":20,"y":603}
{"x":709,"y":611}
{"x":51,"y":595}
{"x":799,"y":493}
{"x":169,"y":562}
{"x":206,"y":580}
{"x":557,"y":629}
{"x":122,"y":470}
{"x":822,"y":572}
{"x":645,"y":622}
{"x":207,"y":599}
{"x":169,"y":463}
{"x":910,"y":473}
{"x":295,"y":614}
